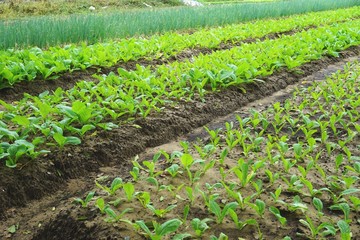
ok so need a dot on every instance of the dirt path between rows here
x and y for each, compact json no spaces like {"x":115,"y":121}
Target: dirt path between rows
{"x":25,"y":193}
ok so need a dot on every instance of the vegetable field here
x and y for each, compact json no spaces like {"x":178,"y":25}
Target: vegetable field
{"x":241,"y":131}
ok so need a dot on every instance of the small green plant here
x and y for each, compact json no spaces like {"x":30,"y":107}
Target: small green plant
{"x":116,"y":184}
{"x":100,"y":204}
{"x":220,"y":213}
{"x":160,"y":212}
{"x":259,"y":207}
{"x":243,"y":172}
{"x":135,"y":173}
{"x":190,"y":194}
{"x":186,"y":212}
{"x":129,"y":190}
{"x":237,"y":196}
{"x":324,"y":229}
{"x":318,"y":205}
{"x":200,"y":226}
{"x":241,"y":224}
{"x":345,"y":230}
{"x":160,"y":231}
{"x":277,"y":214}
{"x":62,"y":140}
{"x":144,"y":198}
{"x":173,"y":170}
{"x":345,"y":208}
{"x":114,"y":217}
{"x":222,"y":236}
{"x":84,"y":203}
{"x":187,"y":161}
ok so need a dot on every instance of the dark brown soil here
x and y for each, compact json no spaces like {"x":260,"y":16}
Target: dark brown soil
{"x":55,"y":179}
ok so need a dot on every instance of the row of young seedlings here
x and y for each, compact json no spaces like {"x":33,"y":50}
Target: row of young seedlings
{"x":20,"y":65}
{"x":245,"y":173}
{"x":60,"y":118}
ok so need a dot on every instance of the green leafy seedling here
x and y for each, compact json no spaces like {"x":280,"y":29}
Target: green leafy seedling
{"x":114,"y":217}
{"x":318,"y":205}
{"x":186,"y":212}
{"x":100,"y":204}
{"x":135,"y":173}
{"x":84,"y":203}
{"x":221,"y":213}
{"x":259,"y":207}
{"x":277,"y":214}
{"x":160,"y":212}
{"x":116,"y":184}
{"x":345,"y":230}
{"x":344,"y":207}
{"x":62,"y":140}
{"x":200,"y":226}
{"x":173,"y":170}
{"x":241,"y":224}
{"x":129,"y":190}
{"x":160,"y":231}
{"x":144,"y":198}
{"x":222,"y":236}
{"x":316,"y":230}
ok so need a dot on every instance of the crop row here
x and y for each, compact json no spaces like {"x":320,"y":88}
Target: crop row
{"x":98,"y":26}
{"x":61,"y":117}
{"x":296,"y":161}
{"x":19,"y":65}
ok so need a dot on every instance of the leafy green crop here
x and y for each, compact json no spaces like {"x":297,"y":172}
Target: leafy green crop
{"x":28,"y":64}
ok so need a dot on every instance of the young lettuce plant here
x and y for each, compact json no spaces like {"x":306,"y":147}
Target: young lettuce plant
{"x":312,"y":190}
{"x":237,"y":196}
{"x":214,"y":135}
{"x":322,"y":230}
{"x":84,"y":203}
{"x":318,"y":204}
{"x":135,"y":173}
{"x":190,"y":194}
{"x":241,"y":224}
{"x":200,"y":226}
{"x":259,"y":207}
{"x":116,"y":184}
{"x":222,"y":236}
{"x":144,"y":198}
{"x":114,"y":217}
{"x":173,"y":170}
{"x":242,"y":171}
{"x":345,"y":208}
{"x":129,"y":190}
{"x":160,"y":212}
{"x":277,"y":214}
{"x":223,"y":155}
{"x":160,"y":231}
{"x":100,"y":204}
{"x":61,"y":140}
{"x":345,"y":230}
{"x":187,"y":161}
{"x":206,"y":151}
{"x":221,"y":213}
{"x":151,"y":166}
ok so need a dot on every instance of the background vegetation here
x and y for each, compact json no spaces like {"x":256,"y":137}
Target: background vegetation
{"x":21,"y":8}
